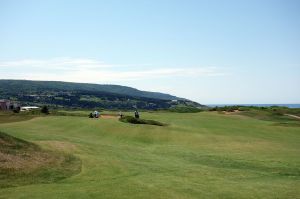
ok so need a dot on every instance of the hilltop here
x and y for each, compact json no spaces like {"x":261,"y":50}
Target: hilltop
{"x":84,"y":95}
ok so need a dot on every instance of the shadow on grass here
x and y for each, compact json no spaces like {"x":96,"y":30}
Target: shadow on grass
{"x":133,"y":120}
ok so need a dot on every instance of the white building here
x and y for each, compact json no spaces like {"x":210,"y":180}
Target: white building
{"x":28,"y":108}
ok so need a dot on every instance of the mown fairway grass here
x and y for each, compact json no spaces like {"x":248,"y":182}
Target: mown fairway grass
{"x":198,"y":155}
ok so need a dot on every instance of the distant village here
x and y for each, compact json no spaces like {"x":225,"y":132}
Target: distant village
{"x":8,"y":105}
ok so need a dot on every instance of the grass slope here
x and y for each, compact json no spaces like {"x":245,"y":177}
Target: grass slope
{"x":23,"y":162}
{"x":198,"y":155}
{"x":12,"y":86}
{"x":7,"y":117}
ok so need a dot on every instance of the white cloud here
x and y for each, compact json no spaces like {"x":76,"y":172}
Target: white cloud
{"x":55,"y":63}
{"x":93,"y":71}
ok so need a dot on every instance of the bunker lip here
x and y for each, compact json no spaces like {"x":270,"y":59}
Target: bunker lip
{"x":20,"y":160}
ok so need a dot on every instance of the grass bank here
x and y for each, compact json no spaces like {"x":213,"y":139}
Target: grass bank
{"x":23,"y":163}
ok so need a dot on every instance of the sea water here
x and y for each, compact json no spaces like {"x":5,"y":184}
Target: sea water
{"x":258,"y":105}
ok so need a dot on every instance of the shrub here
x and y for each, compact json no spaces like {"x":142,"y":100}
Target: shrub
{"x":133,"y":120}
{"x":17,"y":110}
{"x":45,"y":110}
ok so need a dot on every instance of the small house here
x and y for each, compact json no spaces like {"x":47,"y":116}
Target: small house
{"x":3,"y":104}
{"x":6,"y":105}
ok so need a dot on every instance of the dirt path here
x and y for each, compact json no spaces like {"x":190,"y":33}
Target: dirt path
{"x":294,"y":116}
{"x":109,"y":117}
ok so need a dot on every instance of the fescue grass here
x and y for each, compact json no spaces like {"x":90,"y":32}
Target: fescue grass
{"x":198,"y":155}
{"x":23,"y":163}
{"x":7,"y":117}
{"x":279,"y":119}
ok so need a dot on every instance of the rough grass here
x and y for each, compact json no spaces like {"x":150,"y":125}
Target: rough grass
{"x":22,"y":163}
{"x":133,"y":120}
{"x":184,"y":109}
{"x":198,"y":155}
{"x":278,"y":118}
{"x":6,"y":117}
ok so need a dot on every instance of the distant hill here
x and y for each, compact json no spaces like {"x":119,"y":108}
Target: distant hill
{"x":83,"y":95}
{"x":28,"y":85}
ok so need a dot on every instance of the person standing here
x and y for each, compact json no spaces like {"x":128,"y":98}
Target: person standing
{"x":120,"y":114}
{"x":96,"y":114}
{"x":136,"y":114}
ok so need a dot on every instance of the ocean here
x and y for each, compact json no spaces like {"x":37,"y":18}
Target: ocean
{"x":258,"y":105}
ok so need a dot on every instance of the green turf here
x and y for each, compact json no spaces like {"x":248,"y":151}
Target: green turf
{"x":198,"y":155}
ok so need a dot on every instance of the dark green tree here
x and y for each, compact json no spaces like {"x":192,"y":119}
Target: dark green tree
{"x":45,"y":110}
{"x":17,"y":109}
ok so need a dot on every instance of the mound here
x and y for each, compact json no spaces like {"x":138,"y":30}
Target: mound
{"x":133,"y":120}
{"x":22,"y":163}
{"x":185,"y":109}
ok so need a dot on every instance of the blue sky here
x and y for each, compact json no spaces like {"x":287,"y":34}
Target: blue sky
{"x":208,"y":51}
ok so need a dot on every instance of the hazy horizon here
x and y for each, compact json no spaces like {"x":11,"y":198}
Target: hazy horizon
{"x":212,"y":52}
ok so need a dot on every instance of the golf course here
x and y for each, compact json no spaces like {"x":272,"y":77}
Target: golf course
{"x":194,"y":155}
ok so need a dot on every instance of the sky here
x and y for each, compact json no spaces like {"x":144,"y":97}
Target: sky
{"x":209,"y":51}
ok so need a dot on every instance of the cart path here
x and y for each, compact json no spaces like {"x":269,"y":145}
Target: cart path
{"x":294,"y":116}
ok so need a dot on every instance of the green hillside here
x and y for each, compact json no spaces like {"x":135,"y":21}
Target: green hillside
{"x":80,"y":95}
{"x":36,"y":86}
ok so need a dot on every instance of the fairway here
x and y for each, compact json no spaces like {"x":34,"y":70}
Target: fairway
{"x":197,"y":155}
